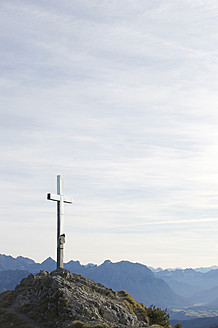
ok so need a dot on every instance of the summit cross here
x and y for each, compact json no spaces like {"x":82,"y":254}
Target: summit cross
{"x":60,"y":199}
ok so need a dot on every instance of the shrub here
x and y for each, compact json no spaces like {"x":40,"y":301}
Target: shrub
{"x":158,"y":316}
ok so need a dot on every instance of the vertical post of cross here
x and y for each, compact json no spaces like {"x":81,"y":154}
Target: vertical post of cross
{"x":60,"y":218}
{"x":60,"y":199}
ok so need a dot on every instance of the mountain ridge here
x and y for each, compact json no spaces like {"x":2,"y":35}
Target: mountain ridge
{"x":139,"y":280}
{"x":21,"y":260}
{"x":174,"y":288}
{"x":136,"y":278}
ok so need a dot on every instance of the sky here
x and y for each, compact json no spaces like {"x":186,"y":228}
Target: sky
{"x":120,"y":98}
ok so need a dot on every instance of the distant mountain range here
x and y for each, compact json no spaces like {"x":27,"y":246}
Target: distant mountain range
{"x":171,"y":288}
{"x":10,"y":278}
{"x":197,"y":287}
{"x":135,"y":278}
{"x":201,"y":269}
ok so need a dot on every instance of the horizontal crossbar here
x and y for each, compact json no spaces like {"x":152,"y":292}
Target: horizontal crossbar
{"x":57,"y":198}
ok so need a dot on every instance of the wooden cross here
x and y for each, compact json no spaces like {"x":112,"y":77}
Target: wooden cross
{"x":60,"y":199}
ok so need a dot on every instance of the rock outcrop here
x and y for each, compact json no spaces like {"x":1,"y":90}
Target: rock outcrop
{"x":62,"y":299}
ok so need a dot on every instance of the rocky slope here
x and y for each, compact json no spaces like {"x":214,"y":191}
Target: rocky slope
{"x":62,"y":299}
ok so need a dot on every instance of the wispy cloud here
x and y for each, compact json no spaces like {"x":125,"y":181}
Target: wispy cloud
{"x":120,"y":98}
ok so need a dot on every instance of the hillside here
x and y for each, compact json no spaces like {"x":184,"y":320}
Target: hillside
{"x":197,"y":287}
{"x":207,"y":296}
{"x":135,"y":278}
{"x":190,"y":277}
{"x":10,"y":278}
{"x":138,"y":280}
{"x":62,"y":299}
{"x":166,"y":288}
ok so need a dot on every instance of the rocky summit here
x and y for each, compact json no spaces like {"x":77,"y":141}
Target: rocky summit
{"x":63,"y":299}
